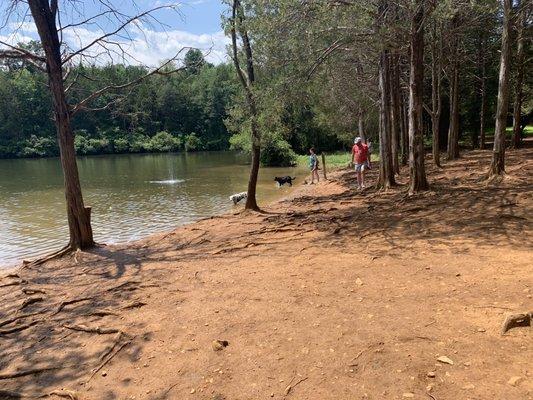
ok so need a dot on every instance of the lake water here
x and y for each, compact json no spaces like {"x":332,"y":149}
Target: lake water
{"x":132,"y":196}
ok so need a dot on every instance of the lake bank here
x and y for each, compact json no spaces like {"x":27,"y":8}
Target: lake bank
{"x":132,"y":196}
{"x":330,"y":294}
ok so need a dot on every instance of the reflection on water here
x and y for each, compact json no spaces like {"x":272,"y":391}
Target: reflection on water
{"x":132,"y":196}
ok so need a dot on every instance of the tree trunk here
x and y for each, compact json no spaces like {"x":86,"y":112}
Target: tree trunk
{"x":247,"y":82}
{"x":498,"y":157}
{"x":78,"y":215}
{"x":418,"y":181}
{"x":453,"y":132}
{"x":436,"y":99}
{"x":517,"y":108}
{"x":395,"y":112}
{"x":483,"y":94}
{"x":386,"y":172}
{"x":361,"y":124}
{"x":251,"y":201}
{"x":404,"y":138}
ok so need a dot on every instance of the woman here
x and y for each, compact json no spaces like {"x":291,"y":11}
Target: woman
{"x":313,"y":165}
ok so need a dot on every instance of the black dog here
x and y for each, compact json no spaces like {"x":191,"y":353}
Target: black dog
{"x":282,"y":180}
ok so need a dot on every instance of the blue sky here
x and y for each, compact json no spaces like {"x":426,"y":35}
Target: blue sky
{"x":196,"y":24}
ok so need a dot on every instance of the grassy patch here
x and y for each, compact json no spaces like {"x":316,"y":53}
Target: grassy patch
{"x":333,"y":161}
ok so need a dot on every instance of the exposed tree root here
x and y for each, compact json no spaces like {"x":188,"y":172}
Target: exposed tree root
{"x":68,"y":394}
{"x":14,"y":319}
{"x":125,"y":286}
{"x":135,"y":304}
{"x":32,"y":291}
{"x":17,"y":328}
{"x":39,"y":261}
{"x":98,"y":330}
{"x":101,"y":313}
{"x":517,"y":320}
{"x":63,"y":304}
{"x":26,"y":372}
{"x":9,"y":395}
{"x":30,"y":301}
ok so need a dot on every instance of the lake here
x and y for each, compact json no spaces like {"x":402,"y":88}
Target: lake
{"x":132,"y":196}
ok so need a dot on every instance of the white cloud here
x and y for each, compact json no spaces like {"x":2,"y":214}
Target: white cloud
{"x":142,"y":44}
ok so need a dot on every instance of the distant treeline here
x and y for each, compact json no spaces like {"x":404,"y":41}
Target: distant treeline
{"x":198,"y":108}
{"x":182,"y":111}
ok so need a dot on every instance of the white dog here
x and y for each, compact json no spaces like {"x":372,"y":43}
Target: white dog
{"x":238,"y":197}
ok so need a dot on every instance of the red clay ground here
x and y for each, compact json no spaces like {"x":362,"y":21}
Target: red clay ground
{"x":332,"y":294}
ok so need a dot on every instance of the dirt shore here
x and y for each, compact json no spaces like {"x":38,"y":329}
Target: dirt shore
{"x":330,"y":294}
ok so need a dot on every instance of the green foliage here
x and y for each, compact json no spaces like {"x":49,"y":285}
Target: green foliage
{"x":190,"y":107}
{"x":192,"y":142}
{"x":39,"y":147}
{"x":163,"y":142}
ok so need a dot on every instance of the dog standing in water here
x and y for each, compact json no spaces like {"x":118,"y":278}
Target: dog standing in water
{"x":238,"y":197}
{"x":282,"y":180}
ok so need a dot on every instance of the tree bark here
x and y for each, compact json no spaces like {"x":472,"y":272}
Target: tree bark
{"x":78,"y":215}
{"x":436,"y":98}
{"x":417,"y":170}
{"x":386,"y":172}
{"x":498,"y":156}
{"x":453,"y":131}
{"x":404,"y":138}
{"x":395,"y":112}
{"x":361,"y":124}
{"x":520,"y":53}
{"x":247,"y":81}
{"x":483,"y":93}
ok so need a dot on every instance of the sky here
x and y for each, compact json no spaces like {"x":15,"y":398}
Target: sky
{"x":194,"y":23}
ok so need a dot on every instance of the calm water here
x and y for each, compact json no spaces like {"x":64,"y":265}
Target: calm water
{"x":132,"y":196}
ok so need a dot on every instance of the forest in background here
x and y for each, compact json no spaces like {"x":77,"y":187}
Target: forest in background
{"x":317,"y":88}
{"x":309,"y":93}
{"x":197,"y":109}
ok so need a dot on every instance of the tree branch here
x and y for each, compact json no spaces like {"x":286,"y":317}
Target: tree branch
{"x":117,"y":30}
{"x":82,"y":105}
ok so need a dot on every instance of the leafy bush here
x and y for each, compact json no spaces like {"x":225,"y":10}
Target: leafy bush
{"x":38,"y":147}
{"x":276,"y":151}
{"x":121,"y":145}
{"x":163,"y":142}
{"x":192,"y":142}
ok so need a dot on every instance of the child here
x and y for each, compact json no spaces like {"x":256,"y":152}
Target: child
{"x":313,"y":165}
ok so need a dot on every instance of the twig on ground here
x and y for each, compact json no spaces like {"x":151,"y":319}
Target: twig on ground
{"x":355,"y":358}
{"x":289,"y":388}
{"x":113,"y":354}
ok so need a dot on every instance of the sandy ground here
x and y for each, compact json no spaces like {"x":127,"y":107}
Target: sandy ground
{"x":331,"y":294}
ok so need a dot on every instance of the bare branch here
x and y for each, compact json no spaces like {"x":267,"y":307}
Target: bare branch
{"x":82,"y":105}
{"x":117,"y":30}
{"x":23,"y":53}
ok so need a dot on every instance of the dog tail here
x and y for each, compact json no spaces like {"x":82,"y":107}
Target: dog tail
{"x":293,"y":178}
